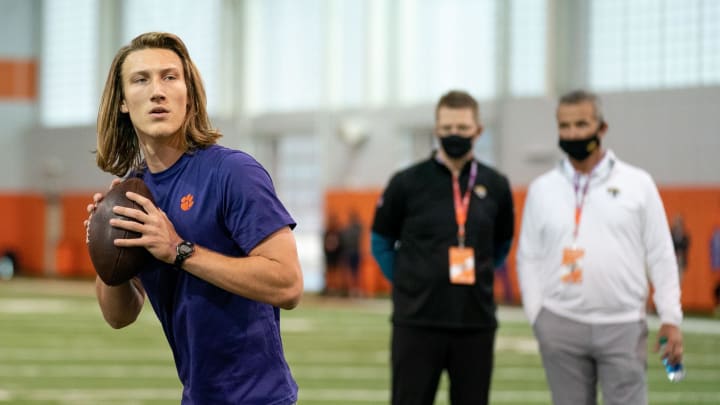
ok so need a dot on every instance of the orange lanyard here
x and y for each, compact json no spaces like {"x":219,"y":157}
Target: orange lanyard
{"x":579,"y":202}
{"x":463,"y":203}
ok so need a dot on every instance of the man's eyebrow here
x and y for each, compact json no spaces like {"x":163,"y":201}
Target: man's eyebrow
{"x":169,"y":69}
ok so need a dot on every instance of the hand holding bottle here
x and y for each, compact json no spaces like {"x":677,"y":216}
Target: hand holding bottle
{"x":675,"y":371}
{"x":671,"y":349}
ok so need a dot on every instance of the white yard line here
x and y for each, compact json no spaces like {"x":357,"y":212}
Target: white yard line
{"x":317,"y":395}
{"x":65,"y":371}
{"x":97,"y":395}
{"x":37,"y":305}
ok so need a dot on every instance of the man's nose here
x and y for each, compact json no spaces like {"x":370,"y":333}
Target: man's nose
{"x":575,"y":133}
{"x":157,"y":90}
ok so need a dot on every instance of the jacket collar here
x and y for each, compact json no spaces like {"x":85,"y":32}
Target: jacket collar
{"x":601,"y":171}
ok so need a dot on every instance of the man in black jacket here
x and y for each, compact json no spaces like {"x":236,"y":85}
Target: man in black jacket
{"x":440,"y":228}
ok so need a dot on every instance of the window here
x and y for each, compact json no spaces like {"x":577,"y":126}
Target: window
{"x":196,"y":23}
{"x":286,"y":51}
{"x":646,"y":44}
{"x":355,"y":53}
{"x":69,"y":90}
{"x":445,"y":45}
{"x":528,"y":39}
{"x":294,"y":163}
{"x":347,"y":53}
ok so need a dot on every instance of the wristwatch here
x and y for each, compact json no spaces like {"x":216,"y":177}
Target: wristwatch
{"x":184,"y":250}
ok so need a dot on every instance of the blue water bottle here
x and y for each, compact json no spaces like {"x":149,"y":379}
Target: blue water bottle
{"x":675,"y":372}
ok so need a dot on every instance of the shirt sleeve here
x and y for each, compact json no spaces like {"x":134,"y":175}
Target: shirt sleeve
{"x":660,"y":258}
{"x":251,"y":209}
{"x":383,"y":250}
{"x":529,"y":256}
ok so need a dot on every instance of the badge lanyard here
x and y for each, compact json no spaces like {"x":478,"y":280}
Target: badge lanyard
{"x":463,"y":203}
{"x":579,"y":202}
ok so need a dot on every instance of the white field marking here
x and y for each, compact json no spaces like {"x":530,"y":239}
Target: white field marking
{"x":700,"y":359}
{"x":97,"y":396}
{"x":517,"y":344}
{"x":519,"y":373}
{"x":655,"y":397}
{"x":342,"y":373}
{"x":152,"y":372}
{"x":685,"y":397}
{"x":87,"y":371}
{"x":517,"y":396}
{"x":297,"y":325}
{"x":690,"y":325}
{"x":538,"y":374}
{"x":38,"y":305}
{"x":337,"y":356}
{"x":64,"y":354}
{"x":348,"y":372}
{"x":338,"y":396}
{"x":76,"y":396}
{"x":527,"y":397}
{"x":141,"y":354}
{"x":511,"y":314}
{"x":328,"y":329}
{"x":696,"y":375}
{"x":379,"y":396}
{"x":506,"y":373}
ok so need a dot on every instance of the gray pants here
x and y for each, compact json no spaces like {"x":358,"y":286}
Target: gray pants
{"x":577,"y":356}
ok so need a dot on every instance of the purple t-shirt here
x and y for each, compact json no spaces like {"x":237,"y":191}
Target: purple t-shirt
{"x":227,"y":348}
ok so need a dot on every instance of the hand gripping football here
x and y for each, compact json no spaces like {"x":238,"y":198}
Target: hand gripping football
{"x":116,"y":265}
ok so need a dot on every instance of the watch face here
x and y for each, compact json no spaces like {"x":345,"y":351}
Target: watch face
{"x":185,"y":249}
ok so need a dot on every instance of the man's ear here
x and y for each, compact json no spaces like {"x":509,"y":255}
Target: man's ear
{"x":603,"y":127}
{"x":479,"y":130}
{"x":123,"y":108}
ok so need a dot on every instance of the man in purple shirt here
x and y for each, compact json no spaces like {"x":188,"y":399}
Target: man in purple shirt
{"x":226,"y":258}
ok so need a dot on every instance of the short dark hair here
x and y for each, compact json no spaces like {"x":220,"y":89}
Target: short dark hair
{"x":581,"y":96}
{"x":458,"y":99}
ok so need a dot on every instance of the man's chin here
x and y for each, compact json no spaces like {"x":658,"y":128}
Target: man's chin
{"x":161,"y":131}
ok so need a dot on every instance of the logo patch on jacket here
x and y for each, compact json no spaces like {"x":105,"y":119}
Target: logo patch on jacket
{"x":480,"y":191}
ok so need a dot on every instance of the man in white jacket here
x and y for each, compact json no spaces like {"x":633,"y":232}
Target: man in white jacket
{"x":593,"y":230}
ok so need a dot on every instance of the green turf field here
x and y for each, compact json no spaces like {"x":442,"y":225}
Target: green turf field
{"x":56,"y":349}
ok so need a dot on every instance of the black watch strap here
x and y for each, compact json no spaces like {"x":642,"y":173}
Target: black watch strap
{"x":183,"y":250}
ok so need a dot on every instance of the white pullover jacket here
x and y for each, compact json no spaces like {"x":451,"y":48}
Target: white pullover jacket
{"x":624,"y":233}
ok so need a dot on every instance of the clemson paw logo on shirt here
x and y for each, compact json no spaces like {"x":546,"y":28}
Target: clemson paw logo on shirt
{"x":187,"y":202}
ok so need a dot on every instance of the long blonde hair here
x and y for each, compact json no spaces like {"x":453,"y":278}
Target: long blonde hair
{"x":118,"y":149}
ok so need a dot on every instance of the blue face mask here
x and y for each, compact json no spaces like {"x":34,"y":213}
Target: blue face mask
{"x":456,"y":146}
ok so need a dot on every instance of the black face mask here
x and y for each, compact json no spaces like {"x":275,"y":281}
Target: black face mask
{"x":456,"y":146}
{"x":580,"y":149}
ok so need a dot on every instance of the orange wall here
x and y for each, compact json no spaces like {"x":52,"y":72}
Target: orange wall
{"x":341,"y":203}
{"x":72,"y":257}
{"x":22,"y":215}
{"x":18,"y":79}
{"x":23,"y":230}
{"x":699,"y":206}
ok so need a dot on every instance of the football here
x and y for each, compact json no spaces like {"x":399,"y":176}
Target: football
{"x":116,"y":265}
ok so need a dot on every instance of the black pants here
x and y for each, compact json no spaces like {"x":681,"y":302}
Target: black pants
{"x":419,"y":355}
